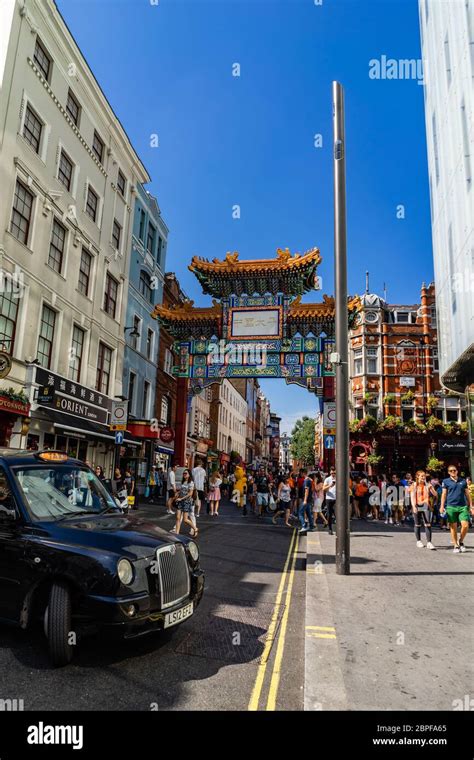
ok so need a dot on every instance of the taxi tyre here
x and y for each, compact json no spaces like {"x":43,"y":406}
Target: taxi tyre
{"x":58,"y":624}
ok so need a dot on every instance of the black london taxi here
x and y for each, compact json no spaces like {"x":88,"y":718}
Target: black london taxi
{"x":71,"y":558}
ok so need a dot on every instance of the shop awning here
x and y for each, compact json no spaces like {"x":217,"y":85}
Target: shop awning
{"x":71,"y":425}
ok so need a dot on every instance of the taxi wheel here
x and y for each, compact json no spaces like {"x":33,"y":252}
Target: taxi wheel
{"x":58,"y":624}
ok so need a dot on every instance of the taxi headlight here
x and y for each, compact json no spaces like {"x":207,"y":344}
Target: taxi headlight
{"x":125,"y":571}
{"x":193,"y":549}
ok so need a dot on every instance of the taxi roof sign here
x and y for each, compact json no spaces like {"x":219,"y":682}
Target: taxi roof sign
{"x":53,"y":456}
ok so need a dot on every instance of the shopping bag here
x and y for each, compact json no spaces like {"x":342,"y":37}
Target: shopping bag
{"x":131,"y":501}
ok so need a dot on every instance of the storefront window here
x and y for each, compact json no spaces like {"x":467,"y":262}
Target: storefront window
{"x":82,"y":455}
{"x":49,"y":441}
{"x":72,"y":444}
{"x":32,"y":442}
{"x":61,"y":443}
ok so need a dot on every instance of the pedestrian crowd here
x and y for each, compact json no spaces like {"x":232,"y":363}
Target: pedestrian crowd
{"x":301,"y":499}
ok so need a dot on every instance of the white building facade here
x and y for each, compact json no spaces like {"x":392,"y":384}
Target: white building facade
{"x":232,"y":420}
{"x":447,"y":40}
{"x":68,"y":177}
{"x":447,"y":36}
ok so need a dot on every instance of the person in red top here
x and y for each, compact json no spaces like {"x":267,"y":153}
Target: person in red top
{"x":420,"y":492}
{"x":300,"y":486}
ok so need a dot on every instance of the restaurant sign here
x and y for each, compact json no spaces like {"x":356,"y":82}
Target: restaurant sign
{"x":71,"y":398}
{"x":452,"y":446}
{"x":15,"y":407}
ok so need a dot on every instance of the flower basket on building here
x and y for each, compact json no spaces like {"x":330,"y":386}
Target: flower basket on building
{"x":435,"y":425}
{"x":13,"y":395}
{"x":374,"y":459}
{"x":391,"y":422}
{"x":434,"y":465}
{"x":367,"y":425}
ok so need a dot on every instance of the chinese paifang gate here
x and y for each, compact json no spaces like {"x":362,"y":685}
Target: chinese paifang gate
{"x":257,"y":326}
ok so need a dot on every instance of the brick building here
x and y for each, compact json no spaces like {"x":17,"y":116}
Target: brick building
{"x":166,"y":386}
{"x":394,"y":380}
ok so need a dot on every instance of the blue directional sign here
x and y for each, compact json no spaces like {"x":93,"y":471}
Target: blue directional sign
{"x":328,"y":441}
{"x":119,"y":437}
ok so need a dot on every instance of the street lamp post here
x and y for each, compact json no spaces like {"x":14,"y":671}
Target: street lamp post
{"x":342,"y":337}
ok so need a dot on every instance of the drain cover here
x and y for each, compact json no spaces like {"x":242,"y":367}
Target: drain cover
{"x":235,"y":631}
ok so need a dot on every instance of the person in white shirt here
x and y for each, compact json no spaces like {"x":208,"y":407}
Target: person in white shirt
{"x":171,"y":486}
{"x":199,"y":478}
{"x":329,"y":489}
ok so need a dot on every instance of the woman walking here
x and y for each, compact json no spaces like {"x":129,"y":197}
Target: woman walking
{"x":214,"y":495}
{"x":284,"y":502}
{"x":184,"y":503}
{"x":129,"y":483}
{"x":318,"y":498}
{"x":251,"y":492}
{"x":420,"y":493}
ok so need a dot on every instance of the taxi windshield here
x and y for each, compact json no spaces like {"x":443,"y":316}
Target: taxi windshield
{"x":55,"y":492}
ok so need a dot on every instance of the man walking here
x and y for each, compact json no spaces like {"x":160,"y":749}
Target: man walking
{"x":262,"y":483}
{"x":305,"y":511}
{"x":199,"y":478}
{"x":329,"y":488}
{"x":455,"y":497}
{"x":171,"y":485}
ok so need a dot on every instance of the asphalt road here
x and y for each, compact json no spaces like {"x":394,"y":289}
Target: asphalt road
{"x":243,"y":648}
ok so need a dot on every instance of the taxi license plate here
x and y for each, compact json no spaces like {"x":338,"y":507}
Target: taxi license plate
{"x":172,"y":618}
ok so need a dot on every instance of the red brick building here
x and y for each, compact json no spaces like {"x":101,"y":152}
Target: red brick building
{"x":165,"y":402}
{"x":393,"y":355}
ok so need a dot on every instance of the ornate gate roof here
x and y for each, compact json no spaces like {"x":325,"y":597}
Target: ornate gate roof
{"x":290,"y":274}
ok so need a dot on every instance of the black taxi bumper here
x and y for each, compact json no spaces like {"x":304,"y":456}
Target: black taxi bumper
{"x":136,"y":614}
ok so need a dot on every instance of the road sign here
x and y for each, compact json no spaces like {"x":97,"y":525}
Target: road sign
{"x":119,"y":437}
{"x":118,"y":415}
{"x":329,"y":414}
{"x":328,"y":441}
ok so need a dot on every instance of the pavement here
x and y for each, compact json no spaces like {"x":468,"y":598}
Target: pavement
{"x":278,"y":630}
{"x":396,"y":634}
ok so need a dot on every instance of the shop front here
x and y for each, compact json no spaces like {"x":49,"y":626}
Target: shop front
{"x":14,"y":413}
{"x":140,"y":459}
{"x":403,"y":452}
{"x":73,"y":418}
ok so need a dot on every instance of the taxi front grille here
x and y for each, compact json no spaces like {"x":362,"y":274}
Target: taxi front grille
{"x":173,"y":574}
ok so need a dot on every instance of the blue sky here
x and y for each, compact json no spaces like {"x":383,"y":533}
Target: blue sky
{"x":249,"y":140}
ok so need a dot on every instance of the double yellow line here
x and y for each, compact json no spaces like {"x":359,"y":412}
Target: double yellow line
{"x":262,"y":668}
